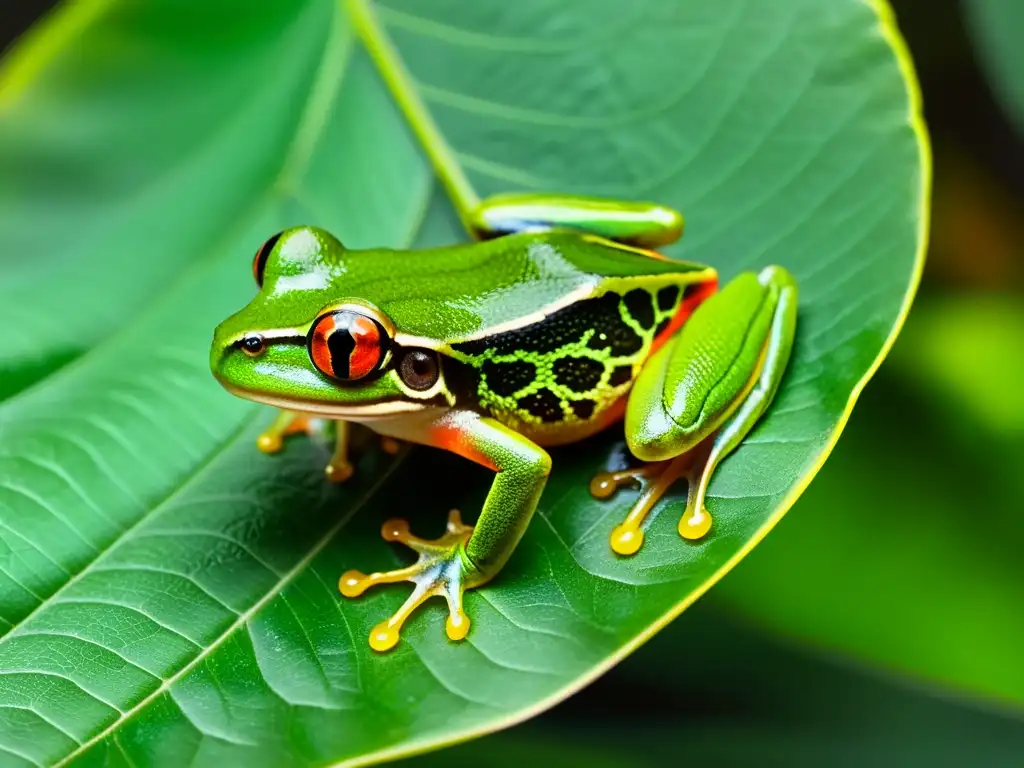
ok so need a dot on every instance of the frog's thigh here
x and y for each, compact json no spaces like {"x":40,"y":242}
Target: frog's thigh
{"x":721,"y":372}
{"x":521,"y":468}
{"x":693,"y":384}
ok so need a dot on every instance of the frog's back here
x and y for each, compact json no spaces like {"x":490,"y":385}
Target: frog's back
{"x":459,"y":293}
{"x":562,"y":328}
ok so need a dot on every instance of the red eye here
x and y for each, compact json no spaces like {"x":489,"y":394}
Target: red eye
{"x":346,"y":345}
{"x":260,"y":261}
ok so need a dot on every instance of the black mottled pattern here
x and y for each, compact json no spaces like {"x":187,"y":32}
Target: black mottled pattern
{"x":580,"y":374}
{"x":667,"y":297}
{"x":340,"y":344}
{"x":473,"y":347}
{"x":640,"y":306}
{"x":505,"y":379}
{"x":615,"y":334}
{"x":662,"y":326}
{"x":620,"y":375}
{"x":565,"y":326}
{"x":544,"y":404}
{"x":583,"y":409}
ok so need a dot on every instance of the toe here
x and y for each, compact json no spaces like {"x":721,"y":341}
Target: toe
{"x":457,"y":625}
{"x":353,"y":583}
{"x":395,"y":529}
{"x":695,"y":526}
{"x":627,"y":540}
{"x":384,"y":637}
{"x":269,"y":443}
{"x":338,"y":472}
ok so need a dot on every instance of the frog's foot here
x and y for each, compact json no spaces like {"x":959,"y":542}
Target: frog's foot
{"x":271,"y":440}
{"x":441,"y":569}
{"x":288,"y":423}
{"x":654,"y":480}
{"x":604,"y":485}
{"x":389,"y":445}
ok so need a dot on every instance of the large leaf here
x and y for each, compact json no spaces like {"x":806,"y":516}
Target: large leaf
{"x":166,"y":594}
{"x":997,"y":27}
{"x":905,"y":553}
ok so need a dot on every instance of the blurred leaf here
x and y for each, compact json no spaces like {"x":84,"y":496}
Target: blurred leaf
{"x":166,"y":594}
{"x":998,"y":28}
{"x":710,"y":691}
{"x":976,"y":232}
{"x":959,"y":350}
{"x":905,"y":552}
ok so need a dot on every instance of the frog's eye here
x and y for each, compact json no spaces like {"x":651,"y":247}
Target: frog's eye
{"x":347,"y":345}
{"x":419,"y":369}
{"x":259,"y":263}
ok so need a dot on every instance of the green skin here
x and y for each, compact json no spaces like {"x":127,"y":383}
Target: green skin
{"x":554,"y":325}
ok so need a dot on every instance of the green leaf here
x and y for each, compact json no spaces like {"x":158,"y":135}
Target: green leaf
{"x":905,"y":552}
{"x":997,"y":27}
{"x":167,"y":595}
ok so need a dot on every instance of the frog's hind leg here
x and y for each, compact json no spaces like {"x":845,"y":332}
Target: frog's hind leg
{"x":271,"y":440}
{"x":640,"y":224}
{"x":701,"y":394}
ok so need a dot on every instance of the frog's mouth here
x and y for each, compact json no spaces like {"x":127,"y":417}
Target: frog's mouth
{"x":383,"y":409}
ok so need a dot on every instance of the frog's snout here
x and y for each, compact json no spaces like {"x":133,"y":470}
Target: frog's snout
{"x":219,"y":352}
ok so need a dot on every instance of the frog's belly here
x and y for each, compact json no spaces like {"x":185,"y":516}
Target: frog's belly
{"x":416,"y":427}
{"x":411,"y":427}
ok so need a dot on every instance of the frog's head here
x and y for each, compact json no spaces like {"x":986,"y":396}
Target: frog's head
{"x":304,"y":343}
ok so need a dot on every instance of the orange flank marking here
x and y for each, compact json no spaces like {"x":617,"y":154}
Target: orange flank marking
{"x":451,"y":435}
{"x":366,"y":353}
{"x":698,"y":296}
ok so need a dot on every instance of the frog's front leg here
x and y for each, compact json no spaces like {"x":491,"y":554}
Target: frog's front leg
{"x":700,"y":394}
{"x":465,"y":556}
{"x":271,"y":440}
{"x":339,"y":468}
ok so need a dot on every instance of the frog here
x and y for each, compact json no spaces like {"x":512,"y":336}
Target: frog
{"x":558,"y":319}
